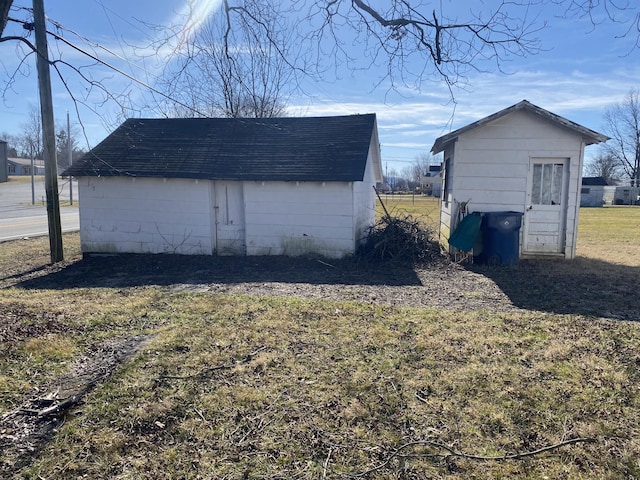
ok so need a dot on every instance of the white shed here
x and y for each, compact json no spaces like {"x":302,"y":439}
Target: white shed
{"x":592,"y":192}
{"x":626,"y":195}
{"x":521,"y":159}
{"x":279,"y":186}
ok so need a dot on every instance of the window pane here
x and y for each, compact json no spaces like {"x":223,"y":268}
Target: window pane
{"x":536,"y":183}
{"x":556,"y":197}
{"x":545,"y":198}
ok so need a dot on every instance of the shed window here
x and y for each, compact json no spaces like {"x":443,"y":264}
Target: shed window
{"x":585,"y":191}
{"x":546,"y":188}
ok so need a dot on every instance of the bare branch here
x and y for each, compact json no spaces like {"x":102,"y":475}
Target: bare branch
{"x":240,"y":64}
{"x":19,"y":39}
{"x":451,"y":452}
{"x":622,"y":12}
{"x":622,"y":124}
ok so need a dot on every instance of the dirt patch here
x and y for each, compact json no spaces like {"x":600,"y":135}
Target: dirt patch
{"x":16,"y":325}
{"x":583,"y":286}
{"x":28,"y":427}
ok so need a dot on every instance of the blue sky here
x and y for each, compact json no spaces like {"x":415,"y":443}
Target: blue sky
{"x":578,"y":74}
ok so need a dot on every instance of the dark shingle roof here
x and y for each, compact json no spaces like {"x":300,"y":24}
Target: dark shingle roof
{"x":589,"y":136}
{"x":285,"y":149}
{"x":594,"y":181}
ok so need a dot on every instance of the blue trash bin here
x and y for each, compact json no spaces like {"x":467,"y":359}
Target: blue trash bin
{"x":501,"y":237}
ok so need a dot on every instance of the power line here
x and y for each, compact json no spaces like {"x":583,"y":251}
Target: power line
{"x":125,"y":74}
{"x":94,"y":57}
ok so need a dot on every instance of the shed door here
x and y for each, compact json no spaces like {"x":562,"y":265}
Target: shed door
{"x":228,"y":220}
{"x":545,"y":213}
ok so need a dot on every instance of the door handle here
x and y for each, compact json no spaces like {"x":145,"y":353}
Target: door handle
{"x":530,"y":207}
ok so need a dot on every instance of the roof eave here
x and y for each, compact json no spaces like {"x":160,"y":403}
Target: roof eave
{"x":589,"y":136}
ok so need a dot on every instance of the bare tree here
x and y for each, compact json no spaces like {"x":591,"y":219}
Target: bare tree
{"x":63,"y":138}
{"x":12,"y":142}
{"x":30,"y":138}
{"x":605,"y":166}
{"x":622,"y":124}
{"x":624,"y":13}
{"x":444,"y":39}
{"x":417,"y":169}
{"x":239,"y":64}
{"x":391,"y":178}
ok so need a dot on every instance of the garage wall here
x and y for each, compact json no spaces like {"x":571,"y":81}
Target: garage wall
{"x":296,"y":218}
{"x":145,"y":215}
{"x":364,"y":204}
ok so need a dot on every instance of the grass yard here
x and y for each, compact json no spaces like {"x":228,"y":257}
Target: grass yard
{"x":426,"y":209}
{"x":611,"y":234}
{"x":231,"y":386}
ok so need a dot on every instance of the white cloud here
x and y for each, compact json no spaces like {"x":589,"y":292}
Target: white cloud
{"x":409,"y":125}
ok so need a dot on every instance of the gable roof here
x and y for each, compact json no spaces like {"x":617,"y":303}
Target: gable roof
{"x":589,"y":136}
{"x":284,"y":149}
{"x":594,"y":181}
{"x":25,"y":162}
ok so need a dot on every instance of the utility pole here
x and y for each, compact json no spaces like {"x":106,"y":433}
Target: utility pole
{"x":33,"y":178}
{"x":69,"y":158}
{"x":48,"y":134}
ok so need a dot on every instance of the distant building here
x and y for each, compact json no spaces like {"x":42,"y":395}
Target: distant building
{"x":627,"y":196}
{"x":592,"y":191}
{"x":431,"y":182}
{"x":22,"y":166}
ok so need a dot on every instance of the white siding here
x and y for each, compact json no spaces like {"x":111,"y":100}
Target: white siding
{"x":591,"y":195}
{"x":447,"y":205}
{"x":291,"y":218}
{"x":228,"y":217}
{"x":626,"y":195}
{"x":364,"y":204}
{"x":491,"y":167}
{"x":144,"y":215}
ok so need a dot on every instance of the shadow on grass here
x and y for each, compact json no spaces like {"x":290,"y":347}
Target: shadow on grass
{"x":131,"y":270}
{"x":582,"y":286}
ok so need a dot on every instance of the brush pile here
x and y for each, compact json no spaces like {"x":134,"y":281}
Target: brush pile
{"x":400,"y":238}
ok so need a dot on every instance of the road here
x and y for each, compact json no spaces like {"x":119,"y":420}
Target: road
{"x":20,"y":219}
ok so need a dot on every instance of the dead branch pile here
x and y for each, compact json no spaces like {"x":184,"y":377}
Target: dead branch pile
{"x":400,"y":238}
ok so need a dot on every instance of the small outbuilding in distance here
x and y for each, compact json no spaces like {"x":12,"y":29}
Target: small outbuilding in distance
{"x":525,"y":160}
{"x":231,"y":186}
{"x":592,"y":192}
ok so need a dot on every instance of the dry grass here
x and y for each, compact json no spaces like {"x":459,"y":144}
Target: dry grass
{"x":287,"y":388}
{"x":261,"y":387}
{"x":25,"y":178}
{"x":425,"y":209}
{"x":34,"y":254}
{"x":611,"y":234}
